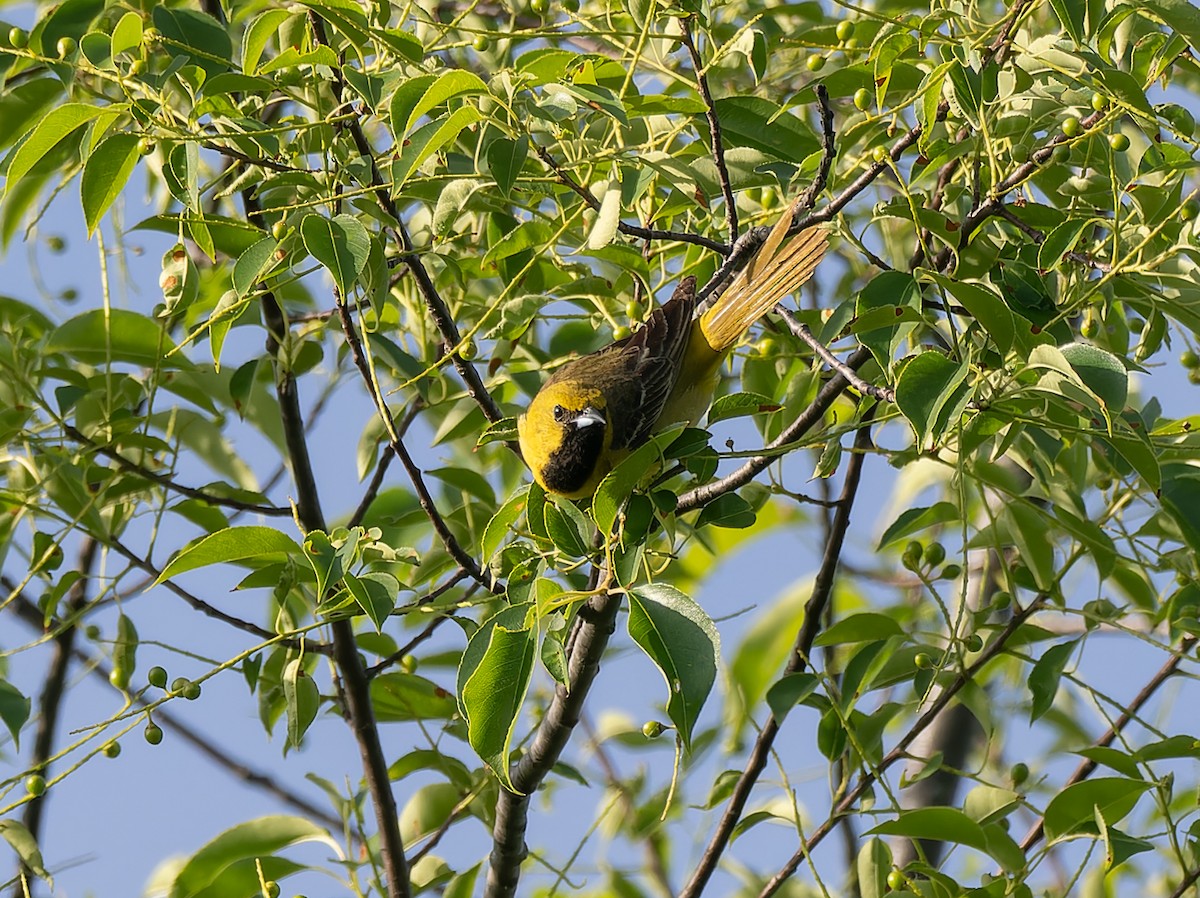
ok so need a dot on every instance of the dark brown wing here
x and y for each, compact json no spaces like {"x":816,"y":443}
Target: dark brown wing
{"x":650,"y":360}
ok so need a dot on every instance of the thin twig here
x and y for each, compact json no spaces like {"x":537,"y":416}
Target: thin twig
{"x":714,"y":126}
{"x":814,"y":609}
{"x":1087,"y":766}
{"x":407,"y":649}
{"x":132,"y":467}
{"x":804,"y":422}
{"x":1038,"y":237}
{"x":351,"y":671}
{"x":385,"y":462}
{"x":808,"y":197}
{"x":624,"y":227}
{"x":801,"y":330}
{"x":900,"y":750}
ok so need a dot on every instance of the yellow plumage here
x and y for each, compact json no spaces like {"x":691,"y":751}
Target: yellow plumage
{"x":594,"y":411}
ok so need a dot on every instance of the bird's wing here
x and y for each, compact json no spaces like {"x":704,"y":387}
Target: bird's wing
{"x":651,"y":359}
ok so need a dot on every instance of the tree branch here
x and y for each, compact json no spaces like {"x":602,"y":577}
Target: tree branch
{"x":593,"y":626}
{"x":714,"y":127}
{"x":801,"y":330}
{"x":813,"y":612}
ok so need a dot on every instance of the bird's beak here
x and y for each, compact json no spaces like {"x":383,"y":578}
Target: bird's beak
{"x":588,"y":417}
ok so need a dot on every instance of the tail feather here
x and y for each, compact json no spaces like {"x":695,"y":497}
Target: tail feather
{"x":777,"y":270}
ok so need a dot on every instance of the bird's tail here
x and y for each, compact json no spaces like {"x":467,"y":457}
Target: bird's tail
{"x":779,"y":268}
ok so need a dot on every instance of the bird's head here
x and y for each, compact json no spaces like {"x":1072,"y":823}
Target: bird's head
{"x":565,"y":437}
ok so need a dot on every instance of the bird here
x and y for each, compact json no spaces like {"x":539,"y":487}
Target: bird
{"x":595,"y":410}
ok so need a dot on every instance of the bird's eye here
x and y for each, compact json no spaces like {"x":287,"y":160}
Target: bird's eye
{"x":559,"y":413}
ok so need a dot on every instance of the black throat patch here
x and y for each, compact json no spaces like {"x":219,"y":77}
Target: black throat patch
{"x":571,"y":464}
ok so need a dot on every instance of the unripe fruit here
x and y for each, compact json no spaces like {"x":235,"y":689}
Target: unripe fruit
{"x":1189,"y":359}
{"x":66,"y":46}
{"x":153,"y":733}
{"x":191,"y":691}
{"x":652,"y":729}
{"x":56,"y":243}
{"x":481,"y":43}
{"x":1090,"y":327}
{"x":468,"y":351}
{"x":923,"y":661}
{"x":815,"y":62}
{"x":935,"y":554}
{"x":1001,"y":600}
{"x":179,"y":684}
{"x":974,"y":642}
{"x":1021,"y":152}
{"x":112,"y":749}
{"x":620,"y":332}
{"x":951,"y":572}
{"x":137,"y":67}
{"x":279,"y":229}
{"x":539,"y":7}
{"x":879,"y":154}
{"x":145,"y":146}
{"x":1061,"y":154}
{"x":1189,"y":210}
{"x":911,"y":559}
{"x":845,"y":29}
{"x":1119,"y":142}
{"x":157,"y":676}
{"x":1071,"y":126}
{"x":570,"y":5}
{"x":1019,"y":773}
{"x":895,"y":880}
{"x":862,"y":98}
{"x":272,"y":889}
{"x":408,"y":664}
{"x":1099,"y":102}
{"x":35,"y":785}
{"x":18,"y":38}
{"x":119,"y":677}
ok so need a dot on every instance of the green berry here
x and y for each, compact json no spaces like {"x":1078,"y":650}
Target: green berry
{"x":1019,"y":773}
{"x":468,"y":351}
{"x":951,"y":572}
{"x":1119,"y":142}
{"x":1001,"y":600}
{"x":1061,"y":154}
{"x":815,"y":62}
{"x":137,"y":67}
{"x":539,"y":7}
{"x":1021,"y":152}
{"x":35,"y":785}
{"x":895,"y":881}
{"x":271,"y":890}
{"x":1104,"y":483}
{"x":66,"y":46}
{"x":145,"y":146}
{"x":1194,"y":377}
{"x":911,"y":559}
{"x":935,"y":554}
{"x":862,"y":98}
{"x":1071,"y":126}
{"x":18,"y":38}
{"x":481,"y":43}
{"x":845,"y":29}
{"x":879,"y":154}
{"x":112,"y":749}
{"x":191,"y":691}
{"x":408,"y":664}
{"x":620,"y":332}
{"x":56,"y":243}
{"x":652,"y":729}
{"x":570,"y":5}
{"x":92,"y":632}
{"x":157,"y":676}
{"x":974,"y":642}
{"x":279,"y":229}
{"x":153,"y":733}
{"x":119,"y":677}
{"x":1090,"y":327}
{"x":179,"y":684}
{"x":1189,"y":359}
{"x":1099,"y":102}
{"x":1136,"y":325}
{"x":1189,"y":210}
{"x":923,"y":661}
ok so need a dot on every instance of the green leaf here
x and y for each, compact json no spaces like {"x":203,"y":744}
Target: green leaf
{"x":622,"y":480}
{"x":608,"y":218}
{"x":301,"y":701}
{"x":493,"y":678}
{"x":505,"y":159}
{"x":1027,"y":529}
{"x":1073,"y":809}
{"x":258,"y":32}
{"x":924,"y":392}
{"x":21,"y":841}
{"x":567,"y":528}
{"x":986,"y":306}
{"x":866,"y":626}
{"x":1101,"y":371}
{"x":728,"y":510}
{"x":1045,"y":676}
{"x":341,"y":244}
{"x":125,"y":646}
{"x":874,"y":864}
{"x":499,"y":527}
{"x":683,"y":643}
{"x":938,"y":824}
{"x":1180,"y":15}
{"x":116,"y":335}
{"x":14,"y":710}
{"x":986,"y":804}
{"x":187,"y":29}
{"x":424,"y":93}
{"x":504,"y":430}
{"x":253,"y":265}
{"x":734,"y":405}
{"x":789,"y":691}
{"x":244,"y":842}
{"x":427,"y":810}
{"x":400,"y":697}
{"x":429,"y":139}
{"x":1071,"y":15}
{"x":886,"y":311}
{"x":1060,"y":241}
{"x":757,"y":122}
{"x":56,"y":126}
{"x":375,"y":592}
{"x":914,"y":520}
{"x":262,"y":545}
{"x":105,"y":173}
